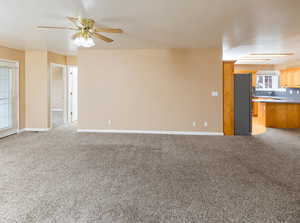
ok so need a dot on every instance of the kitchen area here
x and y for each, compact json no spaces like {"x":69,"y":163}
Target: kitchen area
{"x":275,"y":99}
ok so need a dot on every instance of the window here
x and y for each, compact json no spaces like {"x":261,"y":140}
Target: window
{"x":5,"y":98}
{"x":267,"y":80}
{"x":9,"y":101}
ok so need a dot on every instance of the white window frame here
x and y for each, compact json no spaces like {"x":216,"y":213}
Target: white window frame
{"x":15,"y":66}
{"x":275,"y":77}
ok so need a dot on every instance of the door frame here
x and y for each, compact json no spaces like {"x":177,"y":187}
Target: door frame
{"x":65,"y":80}
{"x":70,"y":116}
{"x":15,"y":65}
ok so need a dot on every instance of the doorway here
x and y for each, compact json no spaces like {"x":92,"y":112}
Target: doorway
{"x":58,"y":95}
{"x":9,"y":97}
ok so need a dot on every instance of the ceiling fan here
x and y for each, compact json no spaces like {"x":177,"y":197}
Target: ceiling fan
{"x":86,"y":29}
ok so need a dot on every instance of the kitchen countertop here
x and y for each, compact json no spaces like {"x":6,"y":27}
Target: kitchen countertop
{"x":279,"y":97}
{"x":272,"y":100}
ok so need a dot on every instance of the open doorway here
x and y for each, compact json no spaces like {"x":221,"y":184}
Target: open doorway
{"x":58,"y":105}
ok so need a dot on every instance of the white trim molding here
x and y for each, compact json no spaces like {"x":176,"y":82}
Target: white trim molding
{"x":50,"y":83}
{"x":151,"y":132}
{"x":8,"y":133}
{"x":34,"y":130}
{"x":57,"y":109}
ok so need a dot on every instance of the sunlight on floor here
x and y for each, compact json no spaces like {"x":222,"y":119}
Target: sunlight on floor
{"x":257,"y":128}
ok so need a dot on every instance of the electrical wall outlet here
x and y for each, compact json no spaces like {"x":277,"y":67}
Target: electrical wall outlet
{"x":194,"y":124}
{"x":215,"y":94}
{"x":109,"y":122}
{"x":205,"y":124}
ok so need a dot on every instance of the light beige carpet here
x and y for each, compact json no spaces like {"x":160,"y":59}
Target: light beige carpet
{"x":66,"y":177}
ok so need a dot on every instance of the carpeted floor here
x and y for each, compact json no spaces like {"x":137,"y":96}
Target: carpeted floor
{"x":65,"y":177}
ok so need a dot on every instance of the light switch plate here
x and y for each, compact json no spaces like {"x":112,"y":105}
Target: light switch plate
{"x":215,"y":94}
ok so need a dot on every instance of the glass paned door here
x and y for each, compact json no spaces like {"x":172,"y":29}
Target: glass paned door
{"x":8,"y":100}
{"x":5,"y":98}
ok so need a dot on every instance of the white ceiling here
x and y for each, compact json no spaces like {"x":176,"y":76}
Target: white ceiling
{"x":241,"y":26}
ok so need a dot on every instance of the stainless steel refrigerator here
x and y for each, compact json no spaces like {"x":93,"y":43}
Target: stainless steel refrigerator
{"x":243,"y":104}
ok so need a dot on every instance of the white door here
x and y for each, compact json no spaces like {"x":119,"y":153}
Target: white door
{"x":9,"y":100}
{"x":72,"y":94}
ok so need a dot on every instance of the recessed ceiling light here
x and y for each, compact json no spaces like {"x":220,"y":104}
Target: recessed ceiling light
{"x":270,"y":54}
{"x":255,"y":59}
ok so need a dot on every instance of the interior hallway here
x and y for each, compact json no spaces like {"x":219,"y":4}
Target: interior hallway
{"x":63,"y":176}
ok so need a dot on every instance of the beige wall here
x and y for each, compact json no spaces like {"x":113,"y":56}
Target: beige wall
{"x":288,"y":64}
{"x":17,"y":55}
{"x":245,"y":67}
{"x":57,"y":58}
{"x":166,"y":89}
{"x":57,"y":98}
{"x":37,"y":89}
{"x":62,"y":59}
{"x":34,"y":83}
{"x":72,"y":60}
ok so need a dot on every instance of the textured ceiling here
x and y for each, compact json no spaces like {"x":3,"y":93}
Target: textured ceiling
{"x":240,"y":26}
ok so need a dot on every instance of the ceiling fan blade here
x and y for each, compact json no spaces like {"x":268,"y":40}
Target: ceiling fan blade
{"x":55,"y":27}
{"x":76,"y":35}
{"x":73,"y":19}
{"x":108,"y":30}
{"x":104,"y":38}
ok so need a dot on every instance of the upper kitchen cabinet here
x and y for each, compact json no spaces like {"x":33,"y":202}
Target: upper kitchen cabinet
{"x":290,"y":78}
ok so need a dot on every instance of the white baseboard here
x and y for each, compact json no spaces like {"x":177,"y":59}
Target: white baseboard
{"x":57,"y":109}
{"x":150,"y":132}
{"x":8,"y":133}
{"x":33,"y":130}
{"x":21,"y":130}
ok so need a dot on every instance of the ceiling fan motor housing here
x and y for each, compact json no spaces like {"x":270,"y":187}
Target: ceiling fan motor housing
{"x":87,"y":23}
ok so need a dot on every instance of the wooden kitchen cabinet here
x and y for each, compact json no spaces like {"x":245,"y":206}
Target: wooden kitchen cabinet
{"x":290,"y":78}
{"x":282,"y":115}
{"x":279,"y":115}
{"x":283,"y":78}
{"x":253,"y":79}
{"x":255,"y":109}
{"x":262,"y":113}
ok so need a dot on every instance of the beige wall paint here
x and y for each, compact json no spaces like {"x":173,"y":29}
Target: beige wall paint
{"x":72,"y":60}
{"x":288,"y":64}
{"x":246,"y":67}
{"x":17,"y":55}
{"x":62,"y":59}
{"x":37,"y":89}
{"x":34,"y":83}
{"x":57,"y":58}
{"x":150,"y":89}
{"x":57,"y":98}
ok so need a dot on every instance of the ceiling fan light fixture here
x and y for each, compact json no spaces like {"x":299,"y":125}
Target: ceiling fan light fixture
{"x":86,"y":29}
{"x":84,"y":42}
